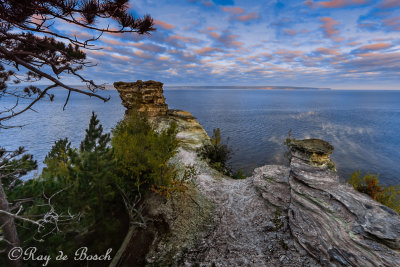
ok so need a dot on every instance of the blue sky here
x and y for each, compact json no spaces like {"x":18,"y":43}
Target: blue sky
{"x":342,"y":44}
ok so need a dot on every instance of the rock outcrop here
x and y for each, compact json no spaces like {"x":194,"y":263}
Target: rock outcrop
{"x":296,"y":215}
{"x":335,"y":224}
{"x":146,"y":97}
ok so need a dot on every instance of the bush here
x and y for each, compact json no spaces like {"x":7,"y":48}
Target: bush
{"x":217,"y":152}
{"x":369,"y":184}
{"x":142,"y":154}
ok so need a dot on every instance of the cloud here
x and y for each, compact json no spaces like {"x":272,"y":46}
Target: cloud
{"x":341,"y":3}
{"x":389,"y":4}
{"x":226,"y":39}
{"x":330,"y":29}
{"x":233,"y":10}
{"x":392,"y":23}
{"x":149,"y":47}
{"x":164,"y":25}
{"x":184,"y":39}
{"x":335,"y":3}
{"x":377,"y":46}
{"x":353,"y":43}
{"x":237,"y":13}
{"x":248,"y":17}
{"x":289,"y":32}
{"x":327,"y":51}
{"x":205,"y":51}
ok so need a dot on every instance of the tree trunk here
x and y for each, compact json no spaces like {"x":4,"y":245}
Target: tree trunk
{"x":8,"y":226}
{"x":123,"y":246}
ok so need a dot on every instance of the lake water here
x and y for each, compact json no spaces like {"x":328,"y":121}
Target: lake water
{"x":363,"y":126}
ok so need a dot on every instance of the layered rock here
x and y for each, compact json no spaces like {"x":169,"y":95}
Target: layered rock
{"x":146,"y":97}
{"x":336,"y":224}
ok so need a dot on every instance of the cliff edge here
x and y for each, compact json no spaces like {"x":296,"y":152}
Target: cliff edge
{"x":296,"y":215}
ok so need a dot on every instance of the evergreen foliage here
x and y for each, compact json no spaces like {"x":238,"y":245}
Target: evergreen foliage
{"x":94,"y":181}
{"x":217,"y":152}
{"x":142,"y":154}
{"x":83,"y":181}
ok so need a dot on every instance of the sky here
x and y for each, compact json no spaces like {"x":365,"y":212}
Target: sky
{"x":340,"y":44}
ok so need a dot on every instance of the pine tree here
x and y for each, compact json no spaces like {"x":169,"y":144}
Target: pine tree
{"x":96,"y":164}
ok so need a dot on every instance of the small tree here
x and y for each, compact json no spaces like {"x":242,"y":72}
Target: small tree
{"x":88,"y":173}
{"x":216,"y":152}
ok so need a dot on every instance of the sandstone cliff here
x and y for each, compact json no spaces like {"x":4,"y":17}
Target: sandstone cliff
{"x":296,"y":215}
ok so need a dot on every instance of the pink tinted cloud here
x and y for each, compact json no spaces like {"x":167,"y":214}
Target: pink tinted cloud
{"x":120,"y":57}
{"x":248,"y":17}
{"x":329,"y":28}
{"x":183,"y":39}
{"x":353,"y":43}
{"x":164,"y":25}
{"x":206,"y":50}
{"x":289,"y":32}
{"x":393,"y":23}
{"x":377,"y":46}
{"x":327,"y":51}
{"x":237,"y":13}
{"x":334,"y":3}
{"x":233,"y":10}
{"x":390,"y":4}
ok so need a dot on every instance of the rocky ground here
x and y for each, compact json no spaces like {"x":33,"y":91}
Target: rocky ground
{"x":247,"y":230}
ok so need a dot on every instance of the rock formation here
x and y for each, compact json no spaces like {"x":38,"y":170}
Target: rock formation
{"x":296,"y":215}
{"x":335,"y":224}
{"x":146,"y":97}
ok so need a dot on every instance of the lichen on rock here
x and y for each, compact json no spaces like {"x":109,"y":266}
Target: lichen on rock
{"x":316,"y":151}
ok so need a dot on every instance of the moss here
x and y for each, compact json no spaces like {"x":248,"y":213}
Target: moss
{"x":283,"y":244}
{"x":278,"y":224}
{"x":312,"y":146}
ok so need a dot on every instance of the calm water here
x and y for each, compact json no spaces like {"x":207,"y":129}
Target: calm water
{"x":363,"y":126}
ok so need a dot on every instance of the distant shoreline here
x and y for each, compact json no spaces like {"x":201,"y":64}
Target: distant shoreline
{"x":241,"y":87}
{"x":247,"y":87}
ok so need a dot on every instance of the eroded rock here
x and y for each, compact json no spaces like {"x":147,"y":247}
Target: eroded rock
{"x":334,"y":223}
{"x":146,"y":97}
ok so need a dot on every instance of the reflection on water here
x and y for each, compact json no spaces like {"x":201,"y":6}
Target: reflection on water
{"x":363,"y":126}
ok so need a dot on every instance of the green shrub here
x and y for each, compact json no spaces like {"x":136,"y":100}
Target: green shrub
{"x":142,"y":154}
{"x":216,"y":152}
{"x":369,"y":184}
